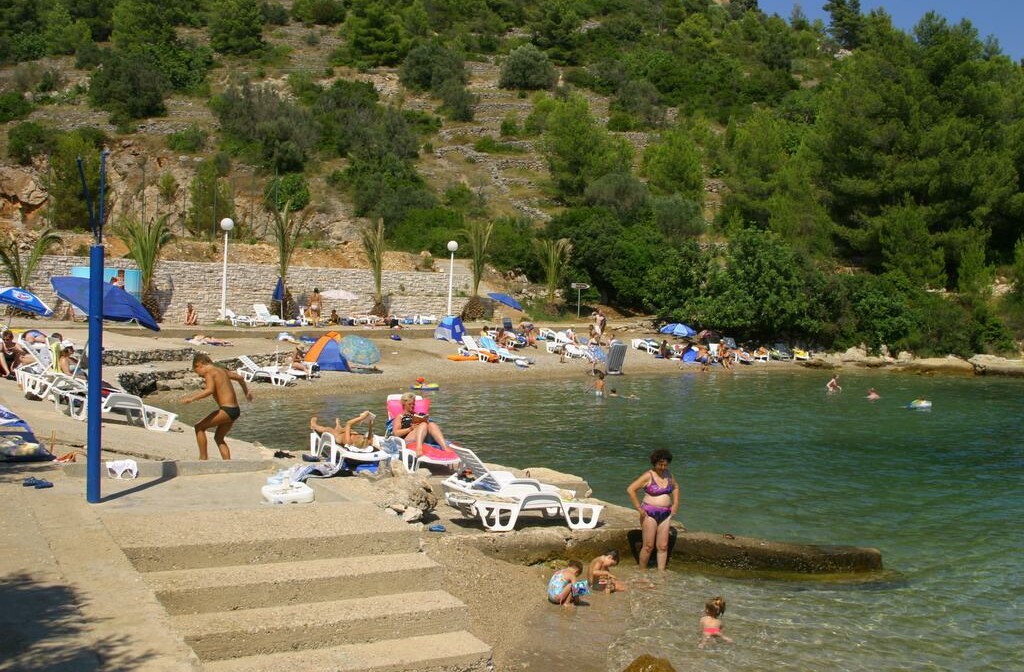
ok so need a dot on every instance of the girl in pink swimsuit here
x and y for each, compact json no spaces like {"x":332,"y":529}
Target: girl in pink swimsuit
{"x":711,"y":622}
{"x":660,"y":504}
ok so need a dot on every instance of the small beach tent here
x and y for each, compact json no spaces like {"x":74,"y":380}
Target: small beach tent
{"x":327,"y":353}
{"x":450,"y":329}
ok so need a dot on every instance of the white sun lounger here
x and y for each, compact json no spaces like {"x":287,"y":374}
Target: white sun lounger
{"x":498,"y":497}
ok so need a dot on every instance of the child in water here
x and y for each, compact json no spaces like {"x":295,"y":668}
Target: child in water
{"x":599,"y":383}
{"x":599,"y":572}
{"x":711,"y":622}
{"x":560,"y":586}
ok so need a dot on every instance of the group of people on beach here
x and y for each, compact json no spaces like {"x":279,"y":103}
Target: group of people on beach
{"x":659,"y":504}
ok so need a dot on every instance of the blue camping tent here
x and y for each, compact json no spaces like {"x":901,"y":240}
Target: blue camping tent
{"x":327,"y":353}
{"x":450,"y":329}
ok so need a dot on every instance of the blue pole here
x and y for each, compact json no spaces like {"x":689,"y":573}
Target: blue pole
{"x":94,"y":435}
{"x":94,"y":440}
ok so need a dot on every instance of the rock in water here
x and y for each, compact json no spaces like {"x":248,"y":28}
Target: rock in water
{"x":648,"y":663}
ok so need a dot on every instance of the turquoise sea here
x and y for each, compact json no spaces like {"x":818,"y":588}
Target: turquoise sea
{"x":770,"y":454}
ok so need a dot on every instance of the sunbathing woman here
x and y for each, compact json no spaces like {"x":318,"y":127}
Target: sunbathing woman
{"x":414,"y":427}
{"x":203,"y":339}
{"x":344,"y":434}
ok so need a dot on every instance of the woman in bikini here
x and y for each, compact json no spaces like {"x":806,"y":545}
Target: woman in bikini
{"x":660,"y":504}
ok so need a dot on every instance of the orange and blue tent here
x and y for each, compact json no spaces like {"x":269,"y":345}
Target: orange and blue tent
{"x":327,"y":353}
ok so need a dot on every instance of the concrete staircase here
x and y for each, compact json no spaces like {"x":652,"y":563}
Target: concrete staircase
{"x":329,"y":586}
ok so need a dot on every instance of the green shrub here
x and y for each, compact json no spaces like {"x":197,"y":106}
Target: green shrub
{"x":510,"y":126}
{"x":29,"y":139}
{"x":236,"y":27}
{"x":13,"y":106}
{"x":275,"y":14}
{"x":129,"y":86}
{"x":191,"y":139}
{"x":322,"y":12}
{"x":527,"y":68}
{"x":291,"y":187}
{"x":430,"y":66}
{"x":457,"y":100}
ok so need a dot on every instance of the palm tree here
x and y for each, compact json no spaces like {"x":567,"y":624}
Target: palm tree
{"x":478,"y":235}
{"x":288,"y":230}
{"x":553,"y":255}
{"x":372,"y":237}
{"x":10,"y":257}
{"x":145,"y":241}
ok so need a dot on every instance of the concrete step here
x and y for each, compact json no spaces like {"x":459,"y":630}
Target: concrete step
{"x":446,"y":651}
{"x":236,"y":634}
{"x":192,"y":539}
{"x":189,"y":591}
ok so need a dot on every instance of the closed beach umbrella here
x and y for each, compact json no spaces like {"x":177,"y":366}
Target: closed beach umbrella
{"x":507,"y":300}
{"x":22,"y":299}
{"x":359,"y":351}
{"x":118,"y":305}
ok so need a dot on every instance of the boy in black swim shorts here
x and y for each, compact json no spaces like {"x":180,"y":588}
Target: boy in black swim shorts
{"x":218,"y":384}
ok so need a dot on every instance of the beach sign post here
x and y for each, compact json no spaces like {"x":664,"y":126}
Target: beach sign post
{"x":579,"y":287}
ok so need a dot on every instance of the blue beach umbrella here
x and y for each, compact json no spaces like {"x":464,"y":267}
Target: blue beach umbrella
{"x":118,"y":305}
{"x":359,"y":351}
{"x":678,"y":329}
{"x":507,"y":300}
{"x":22,"y":299}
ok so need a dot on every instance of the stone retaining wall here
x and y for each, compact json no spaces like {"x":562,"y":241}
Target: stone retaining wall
{"x":181,"y":282}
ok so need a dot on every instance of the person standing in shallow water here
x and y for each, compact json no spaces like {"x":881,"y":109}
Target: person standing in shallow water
{"x":661,"y":502}
{"x":218,"y":384}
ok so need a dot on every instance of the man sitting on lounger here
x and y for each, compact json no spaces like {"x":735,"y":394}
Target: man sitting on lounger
{"x":344,"y":435}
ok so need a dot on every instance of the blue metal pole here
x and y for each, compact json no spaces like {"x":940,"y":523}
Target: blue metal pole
{"x":94,"y":436}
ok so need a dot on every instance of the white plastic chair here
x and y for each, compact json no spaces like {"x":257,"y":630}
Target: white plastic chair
{"x":264,"y":315}
{"x":271,"y":374}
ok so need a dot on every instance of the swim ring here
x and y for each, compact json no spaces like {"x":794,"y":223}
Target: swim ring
{"x":424,"y":386}
{"x":919,"y":404}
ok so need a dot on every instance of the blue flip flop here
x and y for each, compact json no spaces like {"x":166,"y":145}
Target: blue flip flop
{"x":40,"y":484}
{"x":30,"y":482}
{"x":437,"y":528}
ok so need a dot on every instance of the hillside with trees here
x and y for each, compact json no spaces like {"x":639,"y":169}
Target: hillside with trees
{"x":832,"y":184}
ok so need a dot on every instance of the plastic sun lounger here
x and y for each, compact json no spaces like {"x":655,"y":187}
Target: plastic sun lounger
{"x":429,"y":454}
{"x":326,"y":447}
{"x":131,"y":406}
{"x":498,"y":497}
{"x":272,"y":374}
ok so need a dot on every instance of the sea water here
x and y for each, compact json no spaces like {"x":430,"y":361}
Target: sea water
{"x":771,"y":454}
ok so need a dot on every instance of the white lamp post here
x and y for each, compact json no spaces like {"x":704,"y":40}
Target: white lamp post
{"x":226,"y":224}
{"x":452,"y":247}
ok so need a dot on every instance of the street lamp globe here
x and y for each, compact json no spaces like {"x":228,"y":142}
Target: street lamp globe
{"x":227,"y":224}
{"x":453,"y":246}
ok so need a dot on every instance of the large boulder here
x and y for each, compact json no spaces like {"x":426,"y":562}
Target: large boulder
{"x":19,"y":185}
{"x":648,"y":663}
{"x":997,"y":366}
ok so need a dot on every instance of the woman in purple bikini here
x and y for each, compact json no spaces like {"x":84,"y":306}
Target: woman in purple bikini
{"x":661,"y":502}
